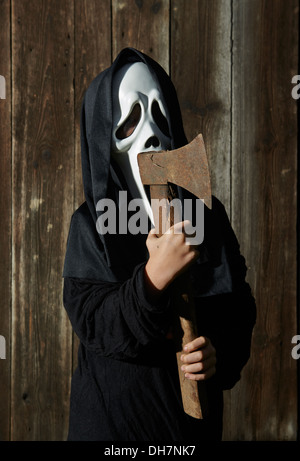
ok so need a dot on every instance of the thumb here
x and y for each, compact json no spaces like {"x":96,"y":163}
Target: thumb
{"x":152,"y":234}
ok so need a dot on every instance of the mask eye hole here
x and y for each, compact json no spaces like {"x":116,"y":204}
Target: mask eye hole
{"x":130,"y":124}
{"x":160,"y":119}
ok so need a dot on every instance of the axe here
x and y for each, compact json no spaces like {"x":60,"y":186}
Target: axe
{"x":186,"y":167}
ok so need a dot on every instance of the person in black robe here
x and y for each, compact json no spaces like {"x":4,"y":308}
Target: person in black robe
{"x":126,"y":384}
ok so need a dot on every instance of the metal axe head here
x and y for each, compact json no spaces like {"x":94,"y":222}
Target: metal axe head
{"x":186,"y":167}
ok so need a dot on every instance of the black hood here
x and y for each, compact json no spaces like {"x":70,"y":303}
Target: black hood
{"x":96,"y":125}
{"x":87,"y":250}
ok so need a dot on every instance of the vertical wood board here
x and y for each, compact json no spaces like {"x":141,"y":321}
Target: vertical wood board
{"x":264,"y":172}
{"x":43,"y":165}
{"x":92,"y":41}
{"x":92,"y":56}
{"x":144,"y":25}
{"x":201,"y":73}
{"x":5,"y":213}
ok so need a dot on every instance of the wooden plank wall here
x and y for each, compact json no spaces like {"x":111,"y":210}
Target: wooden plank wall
{"x":264,"y":176}
{"x":5,"y":213}
{"x":43,"y":189}
{"x":232,"y":62}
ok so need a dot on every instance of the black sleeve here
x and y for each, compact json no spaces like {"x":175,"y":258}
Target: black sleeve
{"x":115,"y":319}
{"x":228,"y":321}
{"x":234,"y":346}
{"x":238,"y":317}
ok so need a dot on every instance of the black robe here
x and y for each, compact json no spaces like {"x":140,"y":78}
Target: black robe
{"x":126,"y":385}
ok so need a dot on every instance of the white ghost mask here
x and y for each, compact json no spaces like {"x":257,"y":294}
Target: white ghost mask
{"x":140,"y":123}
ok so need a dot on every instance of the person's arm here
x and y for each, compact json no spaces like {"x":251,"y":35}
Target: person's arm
{"x":118,"y":319}
{"x":115,"y":319}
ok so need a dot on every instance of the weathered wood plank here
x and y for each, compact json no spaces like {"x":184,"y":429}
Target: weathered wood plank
{"x":201,"y":72}
{"x":264,"y":172}
{"x":144,"y":25}
{"x":43,"y":190}
{"x":5,"y":213}
{"x":92,"y":55}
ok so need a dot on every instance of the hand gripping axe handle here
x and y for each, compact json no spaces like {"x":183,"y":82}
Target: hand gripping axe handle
{"x":186,"y":167}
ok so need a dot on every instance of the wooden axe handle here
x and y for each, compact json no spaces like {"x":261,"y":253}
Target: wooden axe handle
{"x":193,"y":392}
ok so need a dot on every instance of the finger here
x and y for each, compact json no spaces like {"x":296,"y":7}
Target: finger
{"x":153,"y":232}
{"x":152,"y":235}
{"x":201,"y":376}
{"x":197,"y":343}
{"x":189,"y":229}
{"x":202,"y":366}
{"x":194,"y":357}
{"x":200,"y":371}
{"x":191,"y":255}
{"x":179,"y":227}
